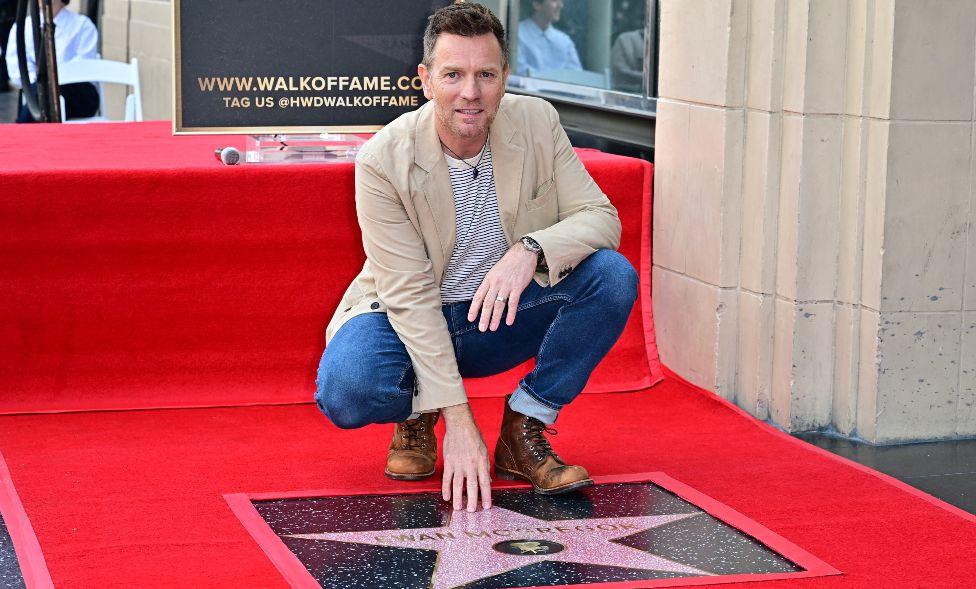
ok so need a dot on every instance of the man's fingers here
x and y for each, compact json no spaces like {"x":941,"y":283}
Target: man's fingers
{"x":513,"y":301}
{"x":486,"y":308}
{"x":479,"y":296}
{"x":458,"y":490}
{"x":484,"y":479}
{"x":472,"y":492}
{"x":498,"y":310}
{"x":446,"y":484}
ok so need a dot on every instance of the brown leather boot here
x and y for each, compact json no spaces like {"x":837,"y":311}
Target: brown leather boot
{"x":524,"y":452}
{"x":413,"y":451}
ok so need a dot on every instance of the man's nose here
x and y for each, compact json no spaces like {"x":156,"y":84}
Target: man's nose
{"x":470,"y":89}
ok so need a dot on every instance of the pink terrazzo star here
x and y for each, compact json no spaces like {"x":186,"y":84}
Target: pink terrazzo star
{"x":465,"y":545}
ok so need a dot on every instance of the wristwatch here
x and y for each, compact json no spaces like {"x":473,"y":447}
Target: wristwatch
{"x":533,"y":246}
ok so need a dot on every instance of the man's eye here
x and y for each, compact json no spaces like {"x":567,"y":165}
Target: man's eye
{"x":487,"y":75}
{"x":452,"y":75}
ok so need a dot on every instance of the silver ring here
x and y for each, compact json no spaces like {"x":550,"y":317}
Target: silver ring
{"x":500,"y":299}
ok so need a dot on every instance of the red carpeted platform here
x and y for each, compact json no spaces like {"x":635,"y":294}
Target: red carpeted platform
{"x":135,"y":498}
{"x":153,"y":277}
{"x":136,"y":271}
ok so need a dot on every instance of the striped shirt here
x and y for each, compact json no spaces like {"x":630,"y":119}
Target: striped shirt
{"x":480,"y":242}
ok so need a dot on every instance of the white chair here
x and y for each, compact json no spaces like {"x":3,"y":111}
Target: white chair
{"x":104,"y":71}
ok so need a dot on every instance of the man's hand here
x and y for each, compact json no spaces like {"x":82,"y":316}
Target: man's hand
{"x":465,"y":459}
{"x":506,"y":281}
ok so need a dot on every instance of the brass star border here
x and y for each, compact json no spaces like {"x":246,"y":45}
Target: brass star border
{"x":461,"y":544}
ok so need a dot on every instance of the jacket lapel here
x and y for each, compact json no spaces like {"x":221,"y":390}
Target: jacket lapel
{"x":435,"y":183}
{"x":507,"y":157}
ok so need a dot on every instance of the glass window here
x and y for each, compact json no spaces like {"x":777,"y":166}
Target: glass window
{"x":598,"y":44}
{"x":494,"y":6}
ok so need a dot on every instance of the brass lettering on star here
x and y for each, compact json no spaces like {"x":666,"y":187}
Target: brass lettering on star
{"x":416,"y":537}
{"x":506,"y":532}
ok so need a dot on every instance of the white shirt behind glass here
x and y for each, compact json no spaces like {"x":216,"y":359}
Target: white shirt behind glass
{"x":75,"y":37}
{"x":540,"y":50}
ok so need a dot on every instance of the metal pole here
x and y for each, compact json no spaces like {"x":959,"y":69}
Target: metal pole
{"x":33,"y":104}
{"x":51,"y":65}
{"x":40,"y":84}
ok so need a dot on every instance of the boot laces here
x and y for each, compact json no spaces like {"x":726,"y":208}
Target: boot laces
{"x":412,"y":431}
{"x":536,"y":431}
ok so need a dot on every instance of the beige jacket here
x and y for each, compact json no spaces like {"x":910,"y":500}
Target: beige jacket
{"x":405,"y":207}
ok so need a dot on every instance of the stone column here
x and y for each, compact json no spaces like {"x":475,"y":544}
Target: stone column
{"x":140,"y":29}
{"x":812,"y":259}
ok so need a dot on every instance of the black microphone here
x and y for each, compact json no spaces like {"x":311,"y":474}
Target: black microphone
{"x":227,"y":155}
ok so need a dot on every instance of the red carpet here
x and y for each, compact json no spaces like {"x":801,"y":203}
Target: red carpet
{"x":153,"y":277}
{"x":136,"y":271}
{"x":134,"y":499}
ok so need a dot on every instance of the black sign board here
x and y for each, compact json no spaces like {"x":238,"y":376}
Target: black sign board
{"x":253,"y":66}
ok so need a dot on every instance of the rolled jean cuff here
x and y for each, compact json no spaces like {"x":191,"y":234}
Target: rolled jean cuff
{"x":526,"y":404}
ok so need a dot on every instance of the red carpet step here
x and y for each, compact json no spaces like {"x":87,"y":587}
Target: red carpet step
{"x":135,"y":498}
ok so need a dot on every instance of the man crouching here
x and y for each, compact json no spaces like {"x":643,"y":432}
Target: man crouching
{"x":487,"y":244}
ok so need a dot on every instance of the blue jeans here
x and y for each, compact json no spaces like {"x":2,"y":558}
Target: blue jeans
{"x":366,"y":376}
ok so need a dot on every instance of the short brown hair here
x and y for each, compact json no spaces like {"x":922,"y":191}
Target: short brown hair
{"x":466,"y":19}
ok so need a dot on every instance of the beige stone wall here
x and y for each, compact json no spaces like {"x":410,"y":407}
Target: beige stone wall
{"x":140,"y":29}
{"x":814,"y":198}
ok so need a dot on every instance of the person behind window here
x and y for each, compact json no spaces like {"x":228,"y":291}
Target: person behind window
{"x":542,"y":47}
{"x":8,"y":9}
{"x":75,"y":37}
{"x":627,"y":61}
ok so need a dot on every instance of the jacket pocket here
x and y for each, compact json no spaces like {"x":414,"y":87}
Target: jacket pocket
{"x":542,"y":195}
{"x":353,"y":296}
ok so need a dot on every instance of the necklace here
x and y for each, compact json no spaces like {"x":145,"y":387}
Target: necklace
{"x":474,"y":168}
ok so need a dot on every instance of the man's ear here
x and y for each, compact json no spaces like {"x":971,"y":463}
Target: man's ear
{"x":424,"y":74}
